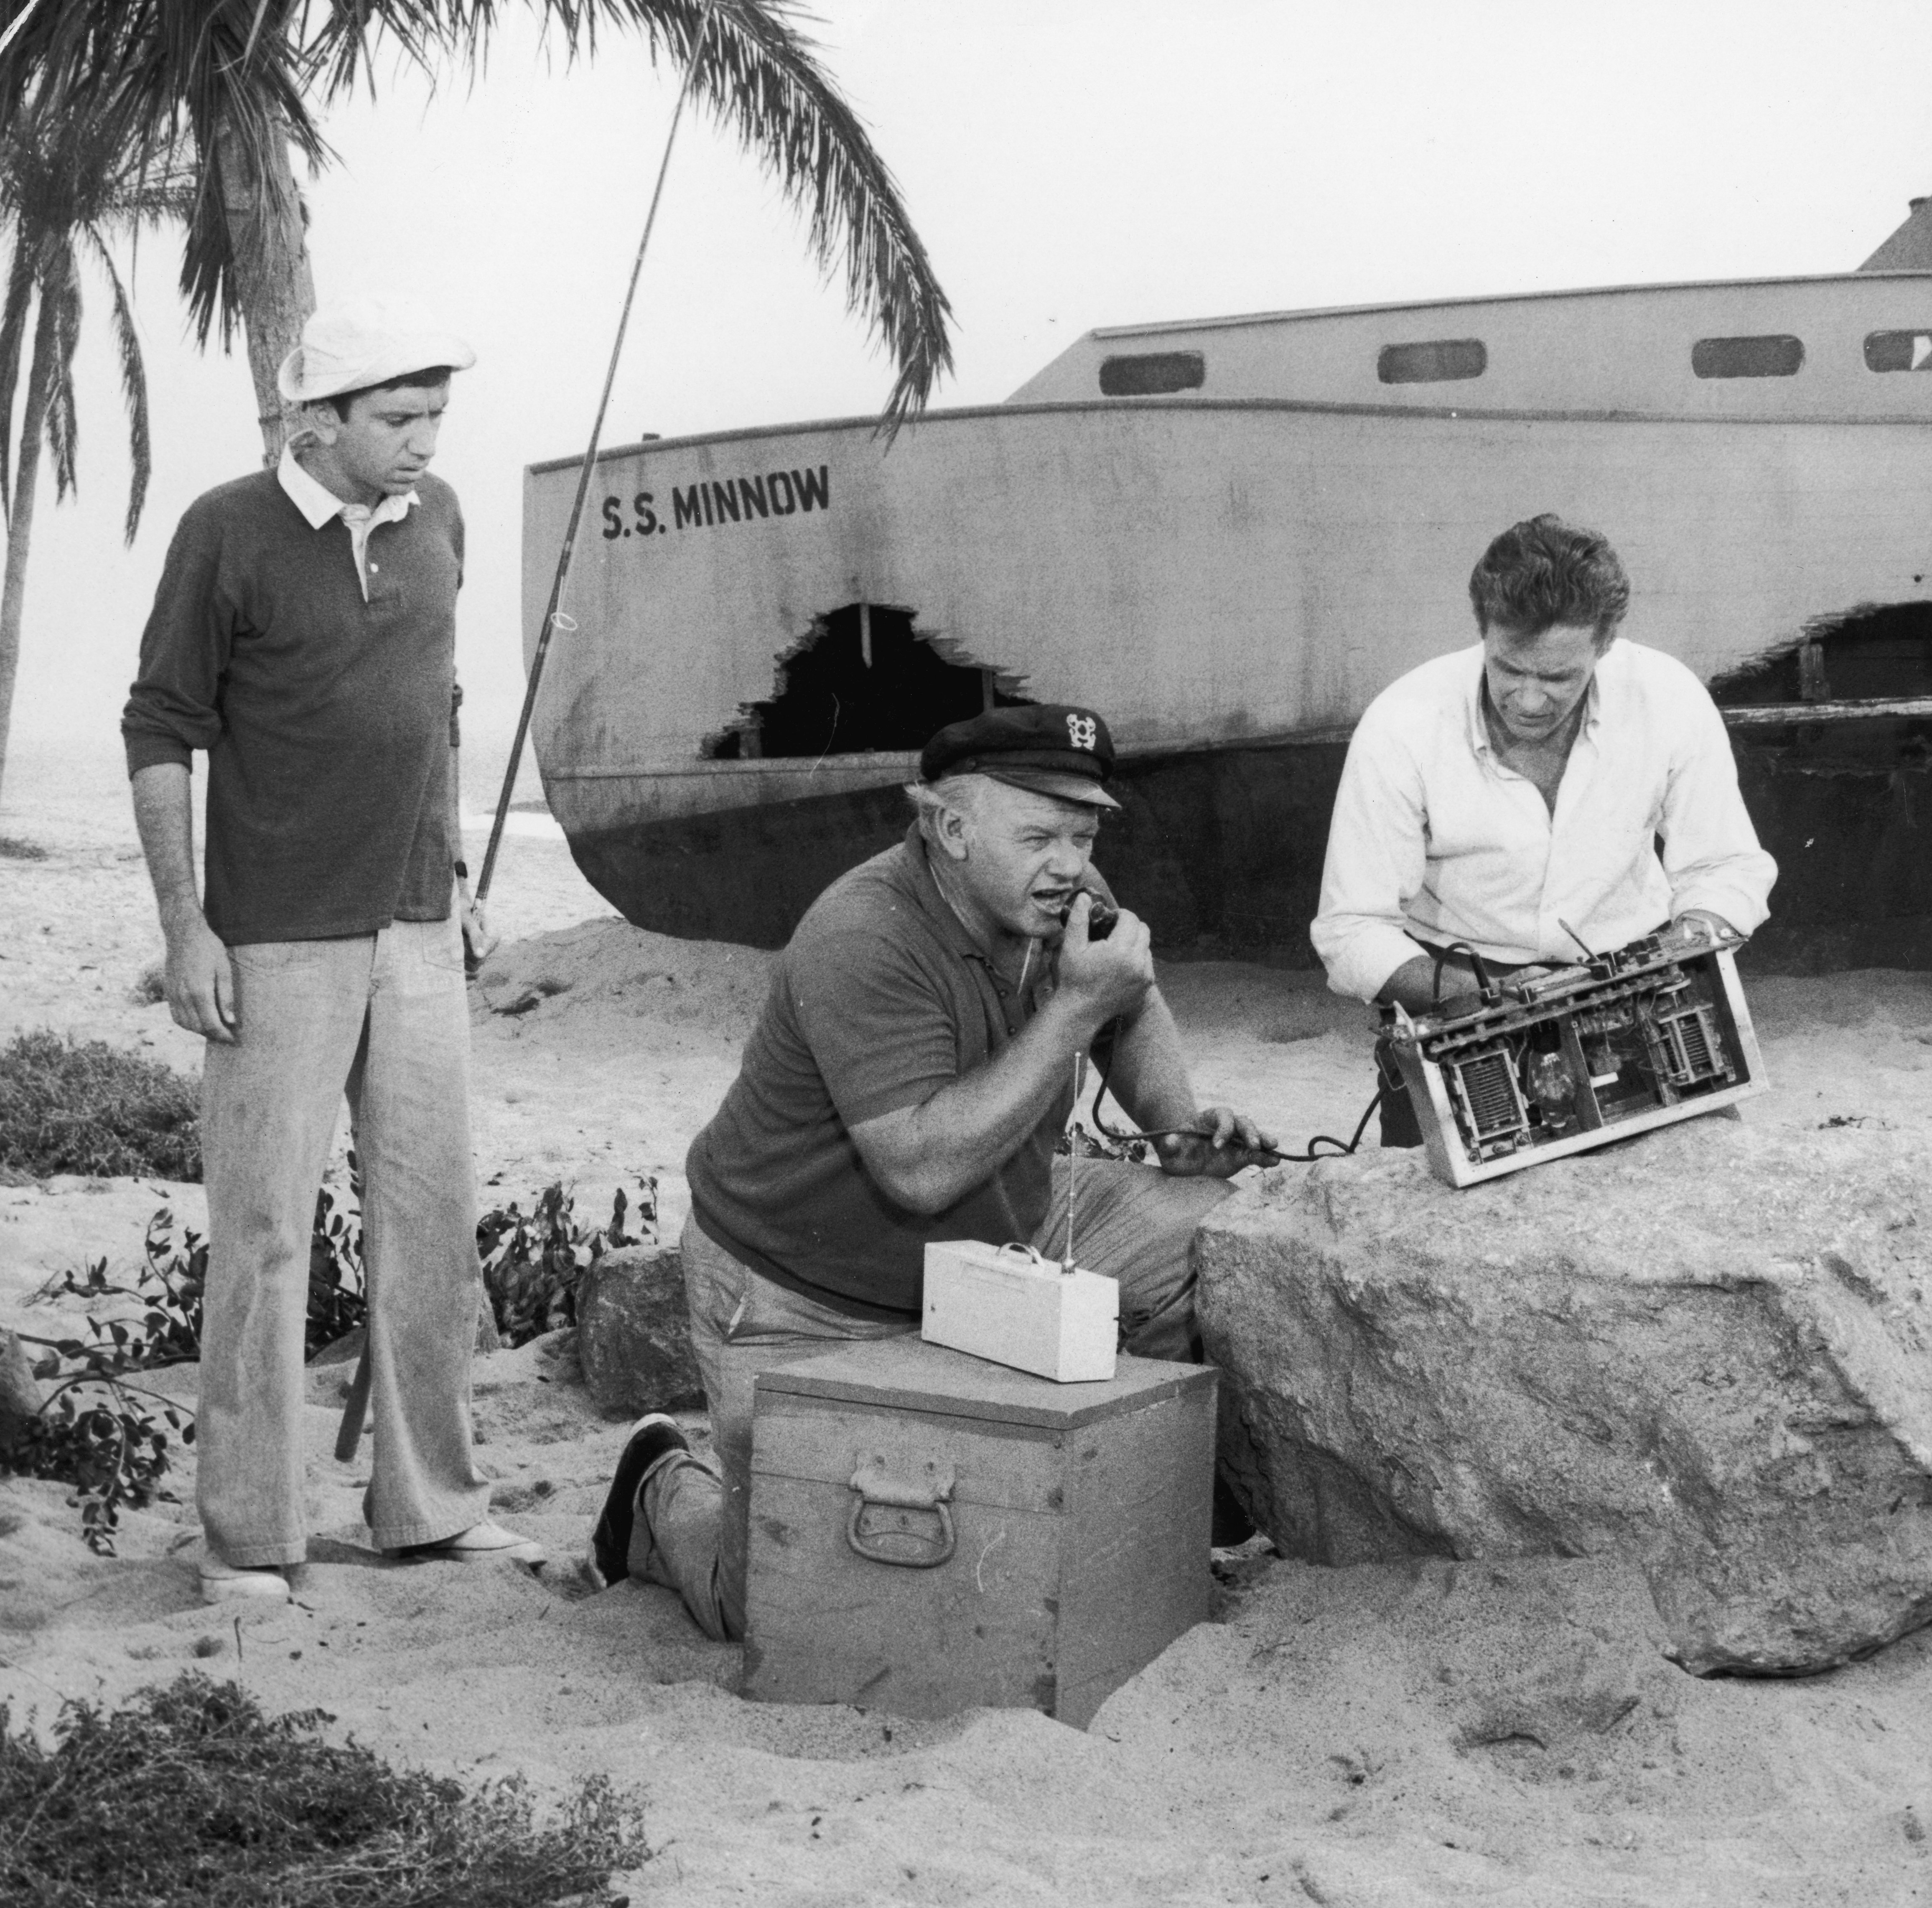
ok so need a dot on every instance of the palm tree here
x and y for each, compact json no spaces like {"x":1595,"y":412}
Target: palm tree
{"x":65,"y":189}
{"x":240,"y":78}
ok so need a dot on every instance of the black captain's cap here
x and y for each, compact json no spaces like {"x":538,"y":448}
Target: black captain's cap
{"x":1050,"y":749}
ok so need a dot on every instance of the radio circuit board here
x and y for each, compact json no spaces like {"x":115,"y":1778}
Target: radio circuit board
{"x":1557,"y":1061}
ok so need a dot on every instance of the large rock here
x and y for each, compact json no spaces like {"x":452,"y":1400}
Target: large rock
{"x":634,"y":1335}
{"x":1705,"y":1350}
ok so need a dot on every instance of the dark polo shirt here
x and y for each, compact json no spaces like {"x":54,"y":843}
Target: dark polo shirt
{"x":325,"y":717}
{"x":881,"y":999}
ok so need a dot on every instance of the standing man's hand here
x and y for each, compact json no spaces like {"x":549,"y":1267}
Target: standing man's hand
{"x":200,"y":982}
{"x":1103,"y":979}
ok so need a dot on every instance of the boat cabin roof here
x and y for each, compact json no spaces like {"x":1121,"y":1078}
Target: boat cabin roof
{"x":1843,"y":346}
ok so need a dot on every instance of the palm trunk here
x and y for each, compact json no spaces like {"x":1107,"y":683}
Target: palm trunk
{"x":274,"y":284}
{"x":20,"y":522}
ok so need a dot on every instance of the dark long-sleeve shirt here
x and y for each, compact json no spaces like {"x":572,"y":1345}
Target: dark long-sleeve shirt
{"x":325,"y":716}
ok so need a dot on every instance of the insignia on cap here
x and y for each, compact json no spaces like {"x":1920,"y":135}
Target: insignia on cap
{"x":1082,"y":731}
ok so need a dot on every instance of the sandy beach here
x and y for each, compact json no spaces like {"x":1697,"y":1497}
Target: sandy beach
{"x":1337,"y":1736}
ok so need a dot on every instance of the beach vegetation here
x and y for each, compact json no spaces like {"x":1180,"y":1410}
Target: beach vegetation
{"x":70,"y":185}
{"x":72,"y":1106}
{"x":244,"y":82}
{"x":100,"y":1428}
{"x":103,"y":1432}
{"x":191,"y":1795}
{"x":533,"y":1262}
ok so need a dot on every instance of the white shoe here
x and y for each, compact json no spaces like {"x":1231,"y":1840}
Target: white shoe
{"x":223,"y":1583}
{"x":480,"y":1543}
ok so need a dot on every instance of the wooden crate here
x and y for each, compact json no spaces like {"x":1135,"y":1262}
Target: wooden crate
{"x":929,"y":1530}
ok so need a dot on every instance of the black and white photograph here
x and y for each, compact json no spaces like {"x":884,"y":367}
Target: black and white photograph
{"x":965,"y":954}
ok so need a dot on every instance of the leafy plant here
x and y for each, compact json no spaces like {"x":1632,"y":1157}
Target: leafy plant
{"x":74,"y":1107}
{"x":533,"y":1262}
{"x":190,"y":1797}
{"x":337,"y":1293}
{"x":94,"y":1430}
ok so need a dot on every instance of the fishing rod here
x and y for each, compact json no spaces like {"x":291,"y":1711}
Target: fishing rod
{"x":554,"y":618}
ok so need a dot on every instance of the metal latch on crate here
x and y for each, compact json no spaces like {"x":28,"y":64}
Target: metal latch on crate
{"x":907,"y":1521}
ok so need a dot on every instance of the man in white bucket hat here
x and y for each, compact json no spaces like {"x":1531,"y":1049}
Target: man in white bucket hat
{"x":304,"y":634}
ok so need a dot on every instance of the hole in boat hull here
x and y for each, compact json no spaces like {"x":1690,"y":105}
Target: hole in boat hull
{"x":865,"y":680}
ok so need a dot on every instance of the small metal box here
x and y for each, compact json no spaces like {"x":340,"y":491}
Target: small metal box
{"x":1008,"y":1303}
{"x":930,"y":1531}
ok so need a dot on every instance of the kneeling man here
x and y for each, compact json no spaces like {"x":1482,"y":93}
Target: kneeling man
{"x":913,"y":1068}
{"x":1508,"y":798}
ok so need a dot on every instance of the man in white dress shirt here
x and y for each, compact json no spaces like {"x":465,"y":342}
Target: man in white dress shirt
{"x":1500,"y":796}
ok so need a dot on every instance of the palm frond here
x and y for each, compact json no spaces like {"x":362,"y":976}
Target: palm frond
{"x":762,"y":80}
{"x":20,"y":276}
{"x":147,"y":74}
{"x":61,"y":289}
{"x":133,"y":383}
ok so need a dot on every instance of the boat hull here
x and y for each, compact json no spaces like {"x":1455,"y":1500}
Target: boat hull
{"x":1242,"y":575}
{"x":1220,"y":850}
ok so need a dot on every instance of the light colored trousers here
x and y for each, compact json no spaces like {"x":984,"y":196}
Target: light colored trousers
{"x":1132,"y":1223}
{"x":382,"y":1017}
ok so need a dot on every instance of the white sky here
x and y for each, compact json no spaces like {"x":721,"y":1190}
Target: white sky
{"x":1068,"y":163}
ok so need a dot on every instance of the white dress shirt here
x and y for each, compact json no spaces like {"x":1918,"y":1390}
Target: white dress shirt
{"x":1434,"y":838}
{"x":319,"y":503}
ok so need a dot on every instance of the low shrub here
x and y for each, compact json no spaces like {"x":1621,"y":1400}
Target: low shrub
{"x":104,"y":1433}
{"x":337,"y":1293}
{"x":67,"y":1106}
{"x":533,"y":1262}
{"x":101,"y":1431}
{"x":190,"y":1797}
{"x":13,"y":848}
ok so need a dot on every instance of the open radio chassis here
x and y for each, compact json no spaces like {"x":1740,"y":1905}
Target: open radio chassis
{"x":1578,"y":1056}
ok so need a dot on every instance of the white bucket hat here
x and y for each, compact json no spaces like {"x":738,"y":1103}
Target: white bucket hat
{"x":366,"y":341}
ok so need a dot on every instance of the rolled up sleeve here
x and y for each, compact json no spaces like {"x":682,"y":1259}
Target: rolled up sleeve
{"x":1711,"y":858}
{"x":174,"y":706}
{"x":1377,"y":861}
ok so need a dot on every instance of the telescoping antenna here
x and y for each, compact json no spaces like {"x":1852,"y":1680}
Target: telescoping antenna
{"x":554,"y":618}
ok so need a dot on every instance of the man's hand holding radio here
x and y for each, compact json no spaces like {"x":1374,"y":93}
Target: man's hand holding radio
{"x":1113,"y":977}
{"x":1104,"y":979}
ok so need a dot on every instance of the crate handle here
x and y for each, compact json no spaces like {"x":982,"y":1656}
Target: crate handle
{"x":888,"y":1522}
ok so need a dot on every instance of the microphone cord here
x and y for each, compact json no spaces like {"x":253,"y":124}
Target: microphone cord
{"x":1267,"y":1155}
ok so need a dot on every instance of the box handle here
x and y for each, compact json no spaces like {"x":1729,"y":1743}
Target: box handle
{"x":897,"y":1521}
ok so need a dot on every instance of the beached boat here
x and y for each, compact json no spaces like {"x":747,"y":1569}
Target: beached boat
{"x":1228,"y":535}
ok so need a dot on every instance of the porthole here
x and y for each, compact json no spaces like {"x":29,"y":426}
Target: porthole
{"x":1899,"y":351}
{"x":1437,"y":361}
{"x":1777,"y":354}
{"x":1152,"y":373}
